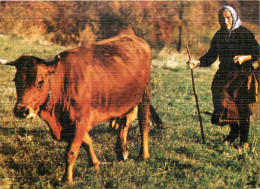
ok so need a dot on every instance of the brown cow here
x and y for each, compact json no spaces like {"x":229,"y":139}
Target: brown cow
{"x":84,"y":86}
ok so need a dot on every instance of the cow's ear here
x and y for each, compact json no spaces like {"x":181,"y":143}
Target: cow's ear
{"x":52,"y":63}
{"x":52,"y":68}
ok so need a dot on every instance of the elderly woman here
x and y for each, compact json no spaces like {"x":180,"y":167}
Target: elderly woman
{"x":235,"y":89}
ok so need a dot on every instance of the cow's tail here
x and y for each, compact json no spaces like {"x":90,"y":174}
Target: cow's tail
{"x":155,"y":118}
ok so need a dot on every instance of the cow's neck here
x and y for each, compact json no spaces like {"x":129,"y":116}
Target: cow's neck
{"x":44,"y":107}
{"x":46,"y":114}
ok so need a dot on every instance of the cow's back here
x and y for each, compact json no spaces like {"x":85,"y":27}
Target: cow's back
{"x":108,"y":77}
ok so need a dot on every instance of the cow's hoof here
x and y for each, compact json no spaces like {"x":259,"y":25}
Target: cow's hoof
{"x":125,"y":155}
{"x":144,"y":156}
{"x":243,"y":146}
{"x":96,"y":166}
{"x":66,"y":180}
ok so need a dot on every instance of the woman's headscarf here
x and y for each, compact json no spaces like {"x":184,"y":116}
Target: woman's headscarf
{"x":236,"y":20}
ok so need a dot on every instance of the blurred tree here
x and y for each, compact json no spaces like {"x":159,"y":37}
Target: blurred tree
{"x":160,"y":23}
{"x":110,"y":20}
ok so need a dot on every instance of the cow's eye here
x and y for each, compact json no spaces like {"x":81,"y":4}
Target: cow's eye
{"x":40,"y":83}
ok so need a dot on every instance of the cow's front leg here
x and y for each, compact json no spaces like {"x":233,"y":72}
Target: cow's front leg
{"x":53,"y":124}
{"x":87,"y":144}
{"x":72,"y":152}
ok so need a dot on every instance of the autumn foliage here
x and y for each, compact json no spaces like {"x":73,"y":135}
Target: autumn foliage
{"x":161,"y":24}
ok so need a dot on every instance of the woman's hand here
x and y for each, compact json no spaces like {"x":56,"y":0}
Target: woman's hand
{"x":193,"y":63}
{"x":242,"y":58}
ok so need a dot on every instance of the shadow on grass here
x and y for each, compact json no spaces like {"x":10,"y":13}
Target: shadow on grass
{"x":176,"y":70}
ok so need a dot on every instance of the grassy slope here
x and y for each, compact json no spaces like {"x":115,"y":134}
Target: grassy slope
{"x":30,"y":158}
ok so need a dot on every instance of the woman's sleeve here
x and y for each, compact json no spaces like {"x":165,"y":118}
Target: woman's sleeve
{"x":252,"y":46}
{"x":211,"y":56}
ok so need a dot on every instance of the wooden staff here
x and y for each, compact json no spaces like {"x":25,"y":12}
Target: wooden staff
{"x":196,"y":98}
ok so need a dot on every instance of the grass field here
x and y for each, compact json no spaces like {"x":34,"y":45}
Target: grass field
{"x":30,"y":158}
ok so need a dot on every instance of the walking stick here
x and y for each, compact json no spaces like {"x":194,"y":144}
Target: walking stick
{"x":196,"y":99}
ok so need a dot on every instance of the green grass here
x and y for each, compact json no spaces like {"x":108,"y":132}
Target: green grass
{"x":30,"y":158}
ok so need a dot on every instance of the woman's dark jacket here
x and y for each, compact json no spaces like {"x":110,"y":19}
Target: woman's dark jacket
{"x":235,"y":88}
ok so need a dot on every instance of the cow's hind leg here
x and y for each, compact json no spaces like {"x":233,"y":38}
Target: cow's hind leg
{"x":124,"y":124}
{"x":143,"y":117}
{"x":87,"y":145}
{"x":113,"y":124}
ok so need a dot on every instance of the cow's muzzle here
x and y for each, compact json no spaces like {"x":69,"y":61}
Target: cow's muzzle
{"x":23,"y":112}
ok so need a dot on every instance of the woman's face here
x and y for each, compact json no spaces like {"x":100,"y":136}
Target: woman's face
{"x":227,"y":18}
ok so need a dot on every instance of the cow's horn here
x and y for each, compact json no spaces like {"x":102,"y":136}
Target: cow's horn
{"x":54,"y":60}
{"x":7,"y":62}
